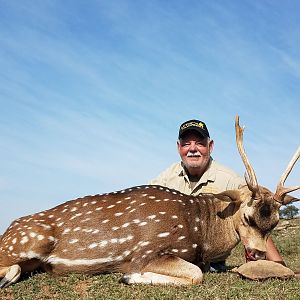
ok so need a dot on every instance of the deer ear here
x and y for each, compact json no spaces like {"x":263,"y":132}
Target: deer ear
{"x":289,"y":199}
{"x":229,"y":196}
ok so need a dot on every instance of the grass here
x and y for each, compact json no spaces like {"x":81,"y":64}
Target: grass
{"x":216,"y":286}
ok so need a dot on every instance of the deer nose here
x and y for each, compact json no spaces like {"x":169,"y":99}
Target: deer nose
{"x":259,"y":255}
{"x":254,"y":254}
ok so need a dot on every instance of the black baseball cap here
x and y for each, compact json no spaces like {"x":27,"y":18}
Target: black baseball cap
{"x":196,"y":125}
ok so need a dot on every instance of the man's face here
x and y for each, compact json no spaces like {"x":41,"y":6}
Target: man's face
{"x":195,"y":151}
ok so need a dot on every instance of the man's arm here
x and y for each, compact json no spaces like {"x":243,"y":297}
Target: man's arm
{"x":273,"y":253}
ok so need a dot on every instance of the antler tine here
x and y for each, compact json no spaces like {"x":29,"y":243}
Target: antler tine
{"x":252,"y":182}
{"x":281,"y":190}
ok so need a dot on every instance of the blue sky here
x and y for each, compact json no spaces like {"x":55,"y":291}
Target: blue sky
{"x":92,"y":92}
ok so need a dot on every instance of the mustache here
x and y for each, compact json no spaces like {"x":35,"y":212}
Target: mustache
{"x":194,"y":154}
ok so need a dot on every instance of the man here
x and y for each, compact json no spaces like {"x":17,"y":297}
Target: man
{"x":199,"y":173}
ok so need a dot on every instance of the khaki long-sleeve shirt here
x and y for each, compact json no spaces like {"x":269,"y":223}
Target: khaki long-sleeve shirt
{"x":217,"y":178}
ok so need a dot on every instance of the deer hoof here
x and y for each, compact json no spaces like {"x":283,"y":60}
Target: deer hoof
{"x":12,"y":275}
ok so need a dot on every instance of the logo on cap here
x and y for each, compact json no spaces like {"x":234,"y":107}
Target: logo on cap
{"x":193,"y":125}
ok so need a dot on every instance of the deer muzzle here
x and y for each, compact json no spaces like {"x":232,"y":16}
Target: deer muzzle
{"x":254,"y":254}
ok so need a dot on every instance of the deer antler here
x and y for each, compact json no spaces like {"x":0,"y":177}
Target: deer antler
{"x":251,"y":179}
{"x":281,"y":191}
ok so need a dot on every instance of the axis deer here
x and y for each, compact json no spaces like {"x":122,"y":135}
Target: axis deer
{"x":152,"y":234}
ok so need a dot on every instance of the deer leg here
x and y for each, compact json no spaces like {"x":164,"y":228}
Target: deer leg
{"x":10,"y":275}
{"x":166,"y":270}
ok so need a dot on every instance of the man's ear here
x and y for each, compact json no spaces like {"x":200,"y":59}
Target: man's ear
{"x":178,"y":145}
{"x":211,"y":146}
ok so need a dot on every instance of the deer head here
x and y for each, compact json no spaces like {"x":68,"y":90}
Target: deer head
{"x":259,"y":214}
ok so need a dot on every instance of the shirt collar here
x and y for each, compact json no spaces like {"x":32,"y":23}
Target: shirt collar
{"x":208,"y":175}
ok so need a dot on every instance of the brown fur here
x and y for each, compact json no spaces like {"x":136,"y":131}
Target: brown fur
{"x":127,"y":231}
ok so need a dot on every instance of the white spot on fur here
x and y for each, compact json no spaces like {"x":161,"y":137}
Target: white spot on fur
{"x":40,"y":237}
{"x":136,"y":221}
{"x":93,"y":245}
{"x":30,"y":255}
{"x":52,"y":238}
{"x":163,"y":234}
{"x":85,"y":220}
{"x":103,"y":243}
{"x":143,"y":244}
{"x":143,"y":223}
{"x":78,"y":262}
{"x":151,"y":217}
{"x":73,"y":241}
{"x":24,"y":240}
{"x":45,"y":226}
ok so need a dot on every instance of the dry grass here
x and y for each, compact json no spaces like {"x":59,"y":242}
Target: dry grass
{"x":216,"y":286}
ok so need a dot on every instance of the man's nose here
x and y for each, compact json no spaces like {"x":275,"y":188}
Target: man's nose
{"x":193,"y":147}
